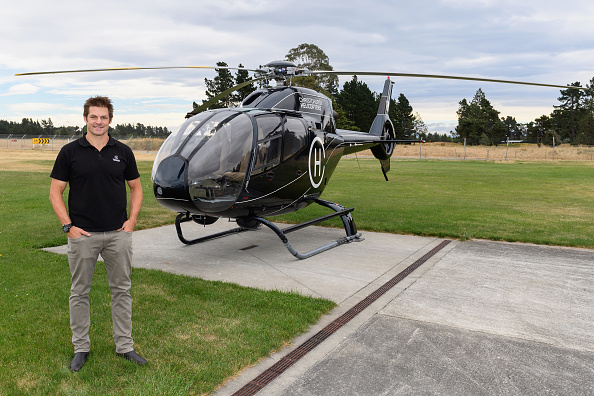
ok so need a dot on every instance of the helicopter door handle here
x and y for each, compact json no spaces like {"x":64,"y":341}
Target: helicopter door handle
{"x":270,"y":175}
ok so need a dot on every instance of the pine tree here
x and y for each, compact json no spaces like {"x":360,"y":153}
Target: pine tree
{"x":358,"y":103}
{"x":479,"y":122}
{"x":222,"y":82}
{"x":241,"y":77}
{"x":419,"y":128}
{"x":515,"y":130}
{"x":567,"y":115}
{"x":401,"y":114}
{"x":537,"y":131}
{"x":48,"y":126}
{"x":585,"y":128}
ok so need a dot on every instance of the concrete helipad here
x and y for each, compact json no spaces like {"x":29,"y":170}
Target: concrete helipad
{"x":477,"y":318}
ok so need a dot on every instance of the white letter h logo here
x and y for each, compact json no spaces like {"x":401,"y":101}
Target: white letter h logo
{"x":318,"y":161}
{"x":315,"y":165}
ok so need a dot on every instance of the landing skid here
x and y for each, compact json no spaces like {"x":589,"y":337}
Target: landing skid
{"x":183,"y":217}
{"x":339,"y":210}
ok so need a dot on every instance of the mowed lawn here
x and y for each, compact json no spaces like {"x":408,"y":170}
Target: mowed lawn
{"x":538,"y":202}
{"x":198,"y":333}
{"x":195,"y":333}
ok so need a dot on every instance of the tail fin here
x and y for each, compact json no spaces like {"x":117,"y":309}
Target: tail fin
{"x":382,"y":126}
{"x":382,"y":112}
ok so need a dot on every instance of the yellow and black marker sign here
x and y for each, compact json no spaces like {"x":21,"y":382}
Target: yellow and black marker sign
{"x":42,"y":140}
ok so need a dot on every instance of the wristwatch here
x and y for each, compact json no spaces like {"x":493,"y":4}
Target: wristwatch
{"x":66,"y":227}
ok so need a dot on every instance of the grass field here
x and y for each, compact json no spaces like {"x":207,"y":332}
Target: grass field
{"x":538,"y":202}
{"x":195,"y":333}
{"x":198,"y":333}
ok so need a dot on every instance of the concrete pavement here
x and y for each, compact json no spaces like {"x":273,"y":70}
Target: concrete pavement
{"x":478,"y":317}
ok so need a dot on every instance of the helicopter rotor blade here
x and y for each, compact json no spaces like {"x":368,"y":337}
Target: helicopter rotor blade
{"x":222,"y":95}
{"x":198,"y":109}
{"x":392,"y":74}
{"x":136,"y":68}
{"x":270,"y":71}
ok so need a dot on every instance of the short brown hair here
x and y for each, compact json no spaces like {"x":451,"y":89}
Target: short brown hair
{"x":98,"y":101}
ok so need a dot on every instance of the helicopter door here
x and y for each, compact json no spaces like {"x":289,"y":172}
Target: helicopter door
{"x":295,"y":137}
{"x":268,"y":148}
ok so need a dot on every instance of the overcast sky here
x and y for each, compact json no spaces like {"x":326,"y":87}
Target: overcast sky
{"x":530,"y":40}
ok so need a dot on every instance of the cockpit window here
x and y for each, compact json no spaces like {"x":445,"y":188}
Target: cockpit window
{"x":177,"y":137}
{"x":219,"y":160}
{"x":205,"y":131}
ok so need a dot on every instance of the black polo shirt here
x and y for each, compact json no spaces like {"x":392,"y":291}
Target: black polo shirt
{"x":97,"y":196}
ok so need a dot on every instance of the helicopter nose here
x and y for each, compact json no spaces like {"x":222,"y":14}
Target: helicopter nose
{"x":169,"y":184}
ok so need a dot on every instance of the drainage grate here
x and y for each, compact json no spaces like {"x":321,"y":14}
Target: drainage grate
{"x":279,"y":367}
{"x":249,"y":247}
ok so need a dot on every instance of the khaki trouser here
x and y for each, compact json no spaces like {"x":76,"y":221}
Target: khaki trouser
{"x":116,"y":249}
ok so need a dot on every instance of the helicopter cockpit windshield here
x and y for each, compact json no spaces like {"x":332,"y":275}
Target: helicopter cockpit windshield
{"x":216,"y":148}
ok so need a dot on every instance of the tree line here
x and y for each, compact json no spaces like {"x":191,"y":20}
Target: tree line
{"x":46,"y":127}
{"x":572,"y":121}
{"x":478,"y":122}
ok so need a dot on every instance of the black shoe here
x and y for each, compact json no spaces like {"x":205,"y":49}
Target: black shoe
{"x":79,"y":360}
{"x":134,"y":357}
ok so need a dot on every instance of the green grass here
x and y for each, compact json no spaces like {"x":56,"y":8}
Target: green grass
{"x":537,"y":202}
{"x":198,"y":333}
{"x":195,"y":333}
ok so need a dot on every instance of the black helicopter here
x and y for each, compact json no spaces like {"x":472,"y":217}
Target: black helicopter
{"x":272,"y":155}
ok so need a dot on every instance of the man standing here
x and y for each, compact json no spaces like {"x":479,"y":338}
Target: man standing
{"x":97,"y":167}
